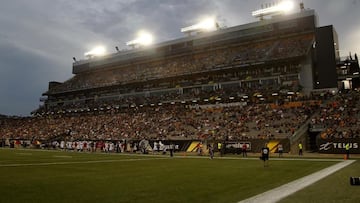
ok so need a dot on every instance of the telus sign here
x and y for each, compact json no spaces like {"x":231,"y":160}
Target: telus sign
{"x":337,"y":146}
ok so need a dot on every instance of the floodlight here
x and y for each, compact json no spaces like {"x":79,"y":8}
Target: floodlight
{"x":143,"y":38}
{"x":284,"y":6}
{"x":97,"y":51}
{"x":205,"y":25}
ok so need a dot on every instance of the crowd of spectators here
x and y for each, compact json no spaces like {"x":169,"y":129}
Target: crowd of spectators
{"x":253,"y":121}
{"x":191,"y":64}
{"x":261,"y":81}
{"x":340,"y":117}
{"x":253,"y":91}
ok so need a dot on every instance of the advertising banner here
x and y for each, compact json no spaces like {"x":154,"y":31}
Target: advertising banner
{"x":235,"y":147}
{"x":337,"y":145}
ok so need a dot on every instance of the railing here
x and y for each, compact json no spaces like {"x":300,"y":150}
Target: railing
{"x":301,"y":131}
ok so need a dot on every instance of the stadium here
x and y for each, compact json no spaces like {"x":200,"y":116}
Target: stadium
{"x":106,"y":133}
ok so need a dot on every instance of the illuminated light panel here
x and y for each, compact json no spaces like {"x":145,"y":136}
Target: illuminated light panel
{"x":143,"y":38}
{"x":284,"y":6}
{"x":97,"y":51}
{"x":207,"y":25}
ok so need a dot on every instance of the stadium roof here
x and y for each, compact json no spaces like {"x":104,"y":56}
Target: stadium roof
{"x":89,"y":64}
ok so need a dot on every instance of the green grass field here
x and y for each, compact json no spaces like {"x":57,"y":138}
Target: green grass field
{"x":334,"y":188}
{"x":53,"y":176}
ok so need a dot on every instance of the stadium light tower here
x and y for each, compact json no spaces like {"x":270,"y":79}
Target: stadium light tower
{"x":282,"y":7}
{"x":143,"y":39}
{"x":97,"y":51}
{"x":208,"y":24}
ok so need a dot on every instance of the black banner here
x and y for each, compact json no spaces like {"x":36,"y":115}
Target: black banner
{"x":235,"y":147}
{"x":337,"y":145}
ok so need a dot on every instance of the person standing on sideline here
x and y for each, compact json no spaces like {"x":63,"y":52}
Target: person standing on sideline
{"x":211,"y":151}
{"x":347,"y":149}
{"x":300,"y":149}
{"x":172,"y":148}
{"x":280,"y":150}
{"x":200,"y":149}
{"x":265,"y":155}
{"x":244,"y":150}
{"x":219,"y":146}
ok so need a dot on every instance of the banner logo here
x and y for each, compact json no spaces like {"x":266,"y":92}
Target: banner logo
{"x":325,"y":146}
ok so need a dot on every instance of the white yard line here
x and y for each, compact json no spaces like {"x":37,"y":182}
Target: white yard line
{"x":283,"y":191}
{"x":24,"y":153}
{"x":62,"y":156}
{"x":76,"y":162}
{"x":256,"y":158}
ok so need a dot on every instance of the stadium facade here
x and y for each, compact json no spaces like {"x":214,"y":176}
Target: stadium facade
{"x":286,"y":53}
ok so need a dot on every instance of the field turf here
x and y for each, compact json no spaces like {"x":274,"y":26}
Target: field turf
{"x":54,"y":176}
{"x":334,"y":188}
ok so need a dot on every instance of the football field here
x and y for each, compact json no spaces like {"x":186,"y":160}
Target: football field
{"x":55,"y":176}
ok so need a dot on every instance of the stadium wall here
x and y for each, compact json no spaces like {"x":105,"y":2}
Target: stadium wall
{"x":230,"y":147}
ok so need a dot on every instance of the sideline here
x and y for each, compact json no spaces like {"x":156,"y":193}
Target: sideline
{"x":78,"y":162}
{"x":285,"y":190}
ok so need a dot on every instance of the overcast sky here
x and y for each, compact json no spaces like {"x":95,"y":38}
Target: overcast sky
{"x":38,"y":38}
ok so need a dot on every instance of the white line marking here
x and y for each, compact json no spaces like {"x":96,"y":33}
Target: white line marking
{"x":64,"y":156}
{"x":76,"y":162}
{"x":24,"y":153}
{"x":255,"y":158}
{"x":285,"y":190}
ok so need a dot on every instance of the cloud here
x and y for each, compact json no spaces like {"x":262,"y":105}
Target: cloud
{"x":22,"y":79}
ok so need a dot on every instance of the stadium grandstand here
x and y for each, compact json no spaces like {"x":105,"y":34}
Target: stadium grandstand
{"x":262,"y":82}
{"x":281,"y":55}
